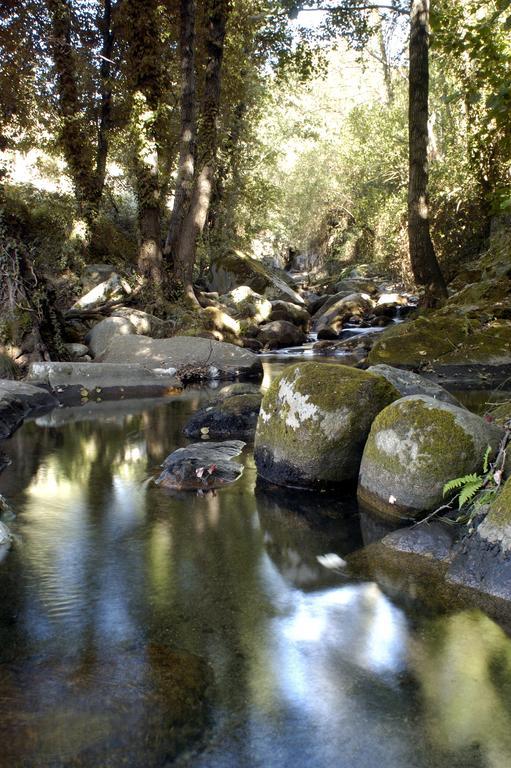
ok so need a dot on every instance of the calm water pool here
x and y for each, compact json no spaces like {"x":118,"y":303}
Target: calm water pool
{"x":124,"y":608}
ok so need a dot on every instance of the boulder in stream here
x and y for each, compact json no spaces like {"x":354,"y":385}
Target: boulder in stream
{"x":314,"y":421}
{"x":279,"y":334}
{"x":409,"y":383}
{"x":416,"y":445}
{"x":210,"y":359}
{"x":202,"y":466}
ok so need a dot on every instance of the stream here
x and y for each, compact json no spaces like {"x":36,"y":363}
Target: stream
{"x":125,"y":606}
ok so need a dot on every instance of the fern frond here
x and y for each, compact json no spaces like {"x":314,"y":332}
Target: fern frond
{"x":459,"y":482}
{"x":486,"y":459}
{"x":469,"y":490}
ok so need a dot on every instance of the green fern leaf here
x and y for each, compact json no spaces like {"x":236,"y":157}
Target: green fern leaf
{"x":486,"y":459}
{"x":469,"y":491}
{"x":459,"y":482}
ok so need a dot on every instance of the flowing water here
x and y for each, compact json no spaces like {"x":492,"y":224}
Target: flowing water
{"x":137,"y":625}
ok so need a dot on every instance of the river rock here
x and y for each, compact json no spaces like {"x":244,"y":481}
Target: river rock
{"x":104,"y":332}
{"x":17,"y":400}
{"x":144,"y":323}
{"x":77,"y":351}
{"x":202,"y":466}
{"x":433,"y":540}
{"x":212,"y":359}
{"x":234,"y":416}
{"x":279,"y":334}
{"x":111,"y":290}
{"x":409,"y":383}
{"x":314,"y":421}
{"x":330,"y":323}
{"x":94,"y":378}
{"x":483,"y":559}
{"x":246,"y":304}
{"x":292,"y":313}
{"x":415,"y":446}
{"x":356,"y":285}
{"x":234,"y":268}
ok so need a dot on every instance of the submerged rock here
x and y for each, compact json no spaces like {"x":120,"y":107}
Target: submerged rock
{"x":212,"y":359}
{"x":483,"y":559}
{"x":234,"y":416}
{"x":202,"y":466}
{"x":433,"y":540}
{"x":314,"y":421}
{"x":416,"y":445}
{"x":409,"y":383}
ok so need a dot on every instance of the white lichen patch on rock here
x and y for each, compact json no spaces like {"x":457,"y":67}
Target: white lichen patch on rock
{"x":298,"y":407}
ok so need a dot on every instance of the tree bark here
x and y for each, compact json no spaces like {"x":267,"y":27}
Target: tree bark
{"x":196,"y":216}
{"x":105,"y":114}
{"x":425,"y":268}
{"x":187,"y":138}
{"x":76,"y":146}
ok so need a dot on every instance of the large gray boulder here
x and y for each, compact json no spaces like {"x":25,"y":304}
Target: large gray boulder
{"x":409,"y":383}
{"x":103,"y":333}
{"x":314,"y":421}
{"x":416,"y":445}
{"x":211,"y":359}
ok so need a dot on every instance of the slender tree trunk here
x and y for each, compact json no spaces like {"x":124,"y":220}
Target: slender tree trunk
{"x":196,"y":216}
{"x":187,"y":139}
{"x":105,"y":113}
{"x":144,"y":67}
{"x":74,"y":140}
{"x":423,"y":260}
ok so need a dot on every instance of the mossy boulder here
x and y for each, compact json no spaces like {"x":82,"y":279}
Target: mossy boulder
{"x":234,"y":416}
{"x":415,"y":446}
{"x":332,"y":319}
{"x":483,"y":559}
{"x":419,"y":341}
{"x":244,"y":303}
{"x":292,"y":313}
{"x":314,"y":421}
{"x":234,"y":268}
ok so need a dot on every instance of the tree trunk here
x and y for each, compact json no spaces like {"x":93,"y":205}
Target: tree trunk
{"x":77,"y":148}
{"x":423,"y":260}
{"x":196,"y":216}
{"x":184,"y":182}
{"x":149,"y":256}
{"x":105,"y":113}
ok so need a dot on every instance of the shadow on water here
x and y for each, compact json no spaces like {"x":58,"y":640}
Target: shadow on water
{"x":139,"y":628}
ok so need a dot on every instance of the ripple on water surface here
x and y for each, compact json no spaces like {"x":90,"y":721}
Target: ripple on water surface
{"x":137,"y":625}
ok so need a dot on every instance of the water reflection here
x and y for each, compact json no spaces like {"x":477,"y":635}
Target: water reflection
{"x":120,"y":596}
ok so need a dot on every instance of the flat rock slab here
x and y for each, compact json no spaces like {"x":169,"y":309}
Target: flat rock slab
{"x":101,"y":379}
{"x":432,"y":540}
{"x":212,"y":359}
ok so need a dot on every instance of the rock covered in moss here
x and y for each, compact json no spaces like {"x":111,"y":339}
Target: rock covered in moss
{"x":483,"y":559}
{"x":409,"y":383}
{"x":234,"y":268}
{"x":234,"y":416}
{"x":314,"y":421}
{"x":416,"y":445}
{"x":331,"y":322}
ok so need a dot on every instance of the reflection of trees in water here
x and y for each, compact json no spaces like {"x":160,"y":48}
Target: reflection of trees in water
{"x":299,"y":526}
{"x":463,"y":664}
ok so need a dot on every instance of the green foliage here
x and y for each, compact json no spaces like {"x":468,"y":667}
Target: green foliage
{"x":475,"y":489}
